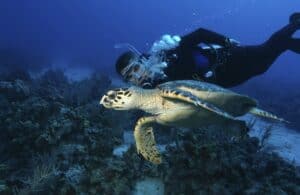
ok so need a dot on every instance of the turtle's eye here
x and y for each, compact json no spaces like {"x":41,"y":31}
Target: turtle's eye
{"x":112,"y":96}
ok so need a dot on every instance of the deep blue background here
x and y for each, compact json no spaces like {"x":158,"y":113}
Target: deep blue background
{"x":83,"y":32}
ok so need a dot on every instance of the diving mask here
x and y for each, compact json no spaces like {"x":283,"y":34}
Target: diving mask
{"x":142,"y":72}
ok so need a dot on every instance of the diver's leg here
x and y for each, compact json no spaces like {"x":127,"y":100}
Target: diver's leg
{"x":248,"y":61}
{"x":282,"y":40}
{"x":244,"y":63}
{"x":294,"y":45}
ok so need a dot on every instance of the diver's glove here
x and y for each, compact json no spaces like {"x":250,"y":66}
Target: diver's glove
{"x":153,"y":75}
{"x":150,"y":83}
{"x":167,"y":42}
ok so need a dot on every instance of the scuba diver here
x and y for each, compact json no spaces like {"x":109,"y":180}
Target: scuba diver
{"x":207,"y":56}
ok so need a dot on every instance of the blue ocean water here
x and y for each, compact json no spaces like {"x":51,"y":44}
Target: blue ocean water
{"x":56,"y":131}
{"x":85,"y":32}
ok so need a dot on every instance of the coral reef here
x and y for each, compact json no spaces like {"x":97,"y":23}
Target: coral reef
{"x":236,"y":167}
{"x":56,"y":139}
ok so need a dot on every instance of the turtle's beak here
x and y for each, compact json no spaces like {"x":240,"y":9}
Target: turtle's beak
{"x":105,"y":102}
{"x":102,"y":100}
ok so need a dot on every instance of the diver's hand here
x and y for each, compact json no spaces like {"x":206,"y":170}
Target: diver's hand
{"x":167,"y":42}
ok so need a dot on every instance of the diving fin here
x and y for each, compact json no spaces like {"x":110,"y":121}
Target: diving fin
{"x":295,"y":18}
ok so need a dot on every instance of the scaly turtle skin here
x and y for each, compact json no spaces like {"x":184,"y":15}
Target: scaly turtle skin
{"x":188,"y":103}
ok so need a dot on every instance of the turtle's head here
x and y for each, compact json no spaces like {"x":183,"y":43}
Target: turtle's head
{"x":120,"y":99}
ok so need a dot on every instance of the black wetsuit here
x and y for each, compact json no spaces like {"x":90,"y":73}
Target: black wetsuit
{"x":231,"y":65}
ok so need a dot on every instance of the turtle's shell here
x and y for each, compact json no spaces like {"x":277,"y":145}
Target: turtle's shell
{"x":232,"y":103}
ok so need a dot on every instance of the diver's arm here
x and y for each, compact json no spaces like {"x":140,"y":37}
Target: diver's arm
{"x":202,"y":35}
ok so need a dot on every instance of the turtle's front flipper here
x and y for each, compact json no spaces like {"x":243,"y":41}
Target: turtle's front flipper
{"x":185,"y":96}
{"x":145,"y":141}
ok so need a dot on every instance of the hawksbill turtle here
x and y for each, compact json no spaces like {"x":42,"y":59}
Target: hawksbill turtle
{"x":183,"y":103}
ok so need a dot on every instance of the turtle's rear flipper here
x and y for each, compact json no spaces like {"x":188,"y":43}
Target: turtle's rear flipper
{"x":265,"y":114}
{"x":145,"y":141}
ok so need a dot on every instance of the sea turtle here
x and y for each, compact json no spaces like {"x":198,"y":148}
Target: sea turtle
{"x":183,"y":103}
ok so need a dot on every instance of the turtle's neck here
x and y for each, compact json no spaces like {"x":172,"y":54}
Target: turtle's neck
{"x":149,"y":101}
